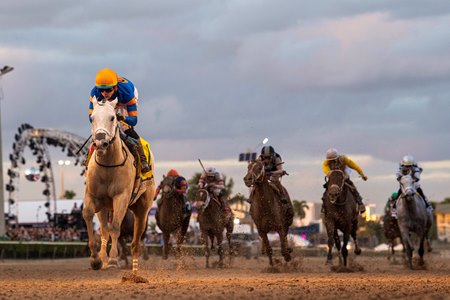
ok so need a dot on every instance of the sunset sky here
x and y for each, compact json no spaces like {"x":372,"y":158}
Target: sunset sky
{"x":371,"y":78}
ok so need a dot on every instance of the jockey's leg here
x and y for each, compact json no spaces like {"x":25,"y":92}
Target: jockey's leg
{"x":187,"y":205}
{"x":249,"y":200}
{"x":144,"y":164}
{"x":139,"y":148}
{"x":357,"y":196}
{"x":394,"y":204}
{"x":283,"y":197}
{"x":425,"y":199}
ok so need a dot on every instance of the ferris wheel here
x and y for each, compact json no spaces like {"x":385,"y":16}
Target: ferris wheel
{"x":38,"y":141}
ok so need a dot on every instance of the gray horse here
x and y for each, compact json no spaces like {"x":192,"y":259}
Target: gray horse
{"x":413,"y":217}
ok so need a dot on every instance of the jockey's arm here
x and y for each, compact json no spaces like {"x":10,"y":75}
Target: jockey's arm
{"x":279,"y":168}
{"x":351,"y":164}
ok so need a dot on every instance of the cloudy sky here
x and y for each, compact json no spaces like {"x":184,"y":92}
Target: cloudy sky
{"x":371,"y":78}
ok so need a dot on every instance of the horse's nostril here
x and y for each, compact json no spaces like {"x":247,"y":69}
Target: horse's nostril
{"x":105,"y":144}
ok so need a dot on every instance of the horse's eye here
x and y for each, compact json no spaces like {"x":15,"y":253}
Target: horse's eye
{"x":112,"y":118}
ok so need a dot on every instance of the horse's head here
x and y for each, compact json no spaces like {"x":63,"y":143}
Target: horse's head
{"x":408,"y":186}
{"x":168,"y":186}
{"x":202,"y":199}
{"x":255,"y":173}
{"x":336,"y":180}
{"x":104,"y":124}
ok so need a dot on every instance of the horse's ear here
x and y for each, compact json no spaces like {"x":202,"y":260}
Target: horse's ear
{"x":94,"y":101}
{"x":114,"y":102}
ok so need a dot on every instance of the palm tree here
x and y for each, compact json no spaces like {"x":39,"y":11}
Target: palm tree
{"x":299,"y":208}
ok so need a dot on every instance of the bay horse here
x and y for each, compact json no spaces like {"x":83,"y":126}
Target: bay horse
{"x":267,"y":210}
{"x":169,"y":215}
{"x":340,"y":214}
{"x":413,"y":217}
{"x":391,"y":232}
{"x":213,"y":221}
{"x":126,"y":233}
{"x":110,"y":180}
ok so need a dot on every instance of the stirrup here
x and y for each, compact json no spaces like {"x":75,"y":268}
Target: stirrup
{"x":361,"y":208}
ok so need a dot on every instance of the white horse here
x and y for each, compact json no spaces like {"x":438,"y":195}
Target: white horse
{"x":412,"y":216}
{"x":110,"y":181}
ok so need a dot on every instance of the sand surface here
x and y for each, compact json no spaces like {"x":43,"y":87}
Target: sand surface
{"x":304,"y":278}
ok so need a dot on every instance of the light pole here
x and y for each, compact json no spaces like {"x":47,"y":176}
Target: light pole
{"x":3,"y":71}
{"x":62,"y":163}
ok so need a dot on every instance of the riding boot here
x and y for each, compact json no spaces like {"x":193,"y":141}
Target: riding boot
{"x":322,"y":210}
{"x":144,"y":164}
{"x":425,"y":199}
{"x":358,"y":198}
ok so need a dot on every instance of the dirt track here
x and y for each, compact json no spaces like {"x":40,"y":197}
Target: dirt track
{"x":305,"y":278}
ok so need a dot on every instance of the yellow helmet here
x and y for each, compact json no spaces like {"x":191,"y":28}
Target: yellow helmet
{"x":106,"y":78}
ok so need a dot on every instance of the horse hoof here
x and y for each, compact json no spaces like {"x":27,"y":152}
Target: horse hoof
{"x":165,"y":257}
{"x":96,"y":264}
{"x":112,"y":264}
{"x":357,"y":251}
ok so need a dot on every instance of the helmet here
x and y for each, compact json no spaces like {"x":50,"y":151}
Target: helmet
{"x":332,"y":154}
{"x":172,"y":172}
{"x":267,"y":151}
{"x":407,"y":160}
{"x":210,"y":171}
{"x":105,"y":78}
{"x":394,"y":195}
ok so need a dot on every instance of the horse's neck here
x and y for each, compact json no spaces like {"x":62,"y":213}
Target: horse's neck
{"x":263,"y":193}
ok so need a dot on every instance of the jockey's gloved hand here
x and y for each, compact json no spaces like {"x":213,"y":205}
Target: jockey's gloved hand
{"x":120,"y":117}
{"x":364,"y":177}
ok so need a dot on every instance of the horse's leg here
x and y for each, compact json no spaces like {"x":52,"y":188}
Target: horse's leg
{"x":119,"y":211}
{"x":166,"y":238}
{"x":124,"y":252}
{"x":344,"y":250}
{"x":407,"y":245}
{"x":104,"y":235}
{"x":140,"y":210}
{"x":268,"y":248}
{"x":205,"y":238}
{"x":357,"y":250}
{"x":285,"y":250}
{"x":219,"y":238}
{"x":230,"y":226}
{"x":331,"y":241}
{"x":421,"y":250}
{"x":88,"y":215}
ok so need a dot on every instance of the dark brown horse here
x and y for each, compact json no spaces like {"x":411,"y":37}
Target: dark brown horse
{"x":169,"y":216}
{"x":126,"y":233}
{"x":340,"y":214}
{"x":267,"y":210}
{"x":213,"y":220}
{"x":391,"y":232}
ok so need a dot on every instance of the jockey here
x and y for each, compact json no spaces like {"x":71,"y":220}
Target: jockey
{"x":273,"y":167}
{"x":409,"y":166}
{"x":335,"y":161}
{"x":180,"y":188}
{"x":109,"y":86}
{"x":212,"y":181}
{"x":389,"y":208}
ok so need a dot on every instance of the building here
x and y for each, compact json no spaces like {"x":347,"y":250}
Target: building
{"x":443,"y":222}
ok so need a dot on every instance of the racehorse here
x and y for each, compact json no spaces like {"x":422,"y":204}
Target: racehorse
{"x":340,"y":214}
{"x":110,"y":181}
{"x":213,"y":220}
{"x":267,"y":210}
{"x":126,"y":233}
{"x":169,"y":216}
{"x":391,"y":233}
{"x":413,"y":217}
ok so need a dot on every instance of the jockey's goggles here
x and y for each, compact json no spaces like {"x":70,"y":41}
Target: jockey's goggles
{"x":108,"y":90}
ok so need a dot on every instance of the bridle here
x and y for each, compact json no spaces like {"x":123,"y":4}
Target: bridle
{"x":339,"y":188}
{"x":100,"y":134}
{"x":256,"y":177}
